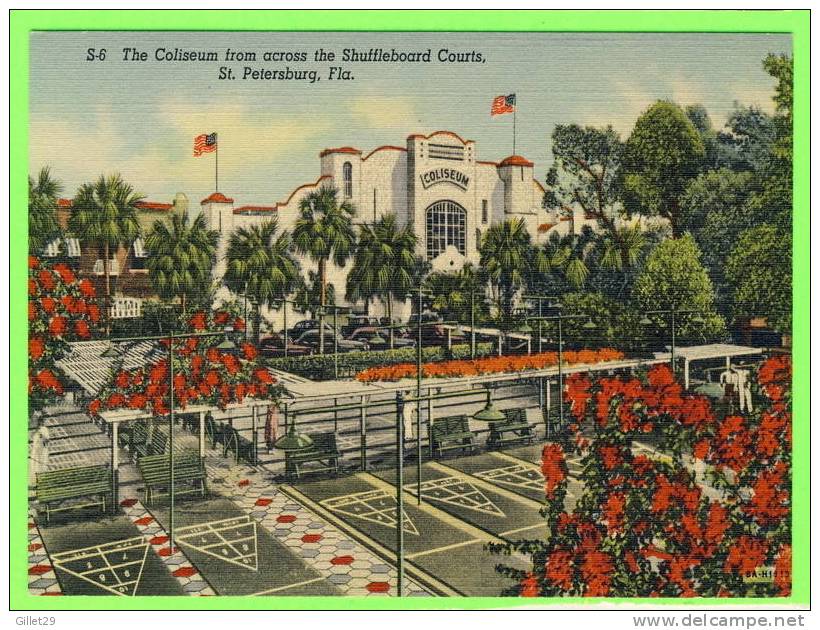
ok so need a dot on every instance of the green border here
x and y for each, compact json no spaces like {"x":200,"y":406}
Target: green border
{"x":23,"y":22}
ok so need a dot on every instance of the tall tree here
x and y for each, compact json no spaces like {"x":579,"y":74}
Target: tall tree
{"x":260,"y":266}
{"x":308,"y":294}
{"x":180,"y":257}
{"x":451,"y":293}
{"x":507,"y":256}
{"x":104,"y":213}
{"x":324,"y":232}
{"x":384,"y":264}
{"x":759,"y":272}
{"x":42,"y":205}
{"x":661,"y":156}
{"x":673,"y":277}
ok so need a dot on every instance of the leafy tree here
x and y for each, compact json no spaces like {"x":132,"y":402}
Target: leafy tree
{"x":663,"y":153}
{"x":42,"y":205}
{"x":324,"y":232}
{"x":180,"y":257}
{"x":384,"y":264}
{"x":748,"y":140}
{"x":451,"y":294}
{"x":759,"y":270}
{"x":308,"y":294}
{"x":507,"y":255}
{"x":104,"y":213}
{"x":673,"y":277}
{"x":260,"y":266}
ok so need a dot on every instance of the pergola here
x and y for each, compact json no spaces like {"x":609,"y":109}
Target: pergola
{"x":709,"y":352}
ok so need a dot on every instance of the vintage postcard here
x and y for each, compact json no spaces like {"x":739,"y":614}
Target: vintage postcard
{"x":357,"y":305}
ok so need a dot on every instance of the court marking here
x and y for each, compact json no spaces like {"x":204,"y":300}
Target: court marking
{"x":509,"y":494}
{"x":120,"y":587}
{"x":286,"y":587}
{"x":520,"y":460}
{"x":457,"y":545}
{"x":380,"y":550}
{"x":456,"y":491}
{"x":515,"y":475}
{"x":374,"y":506}
{"x":212,"y":536}
{"x":523,"y":529}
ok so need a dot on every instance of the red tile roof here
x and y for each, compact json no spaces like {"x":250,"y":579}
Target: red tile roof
{"x":437,"y":133}
{"x":386,"y":147}
{"x":313,"y":185}
{"x":340,"y":150}
{"x":515,"y":160}
{"x":216,"y":197}
{"x":244,"y":209}
{"x":64,"y":203}
{"x":153,"y":205}
{"x":546,"y":227}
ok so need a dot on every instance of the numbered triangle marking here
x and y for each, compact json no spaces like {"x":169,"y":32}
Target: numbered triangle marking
{"x":115,"y":567}
{"x":459,"y":492}
{"x":232,"y":540}
{"x":373,"y":506}
{"x":517,"y":476}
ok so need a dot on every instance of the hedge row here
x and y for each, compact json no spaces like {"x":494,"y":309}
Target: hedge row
{"x":320,"y":367}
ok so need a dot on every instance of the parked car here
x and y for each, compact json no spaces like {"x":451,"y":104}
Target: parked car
{"x":358,"y":321}
{"x":433,"y":330}
{"x":367,"y":333}
{"x":308,"y":324}
{"x":274,"y":346}
{"x":310,"y":338}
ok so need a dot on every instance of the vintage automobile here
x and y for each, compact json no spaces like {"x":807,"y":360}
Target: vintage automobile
{"x":274,"y":346}
{"x":310,"y":338}
{"x":355,"y":322}
{"x":368,"y":333}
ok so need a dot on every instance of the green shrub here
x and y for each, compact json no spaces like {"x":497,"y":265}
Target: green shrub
{"x":320,"y":367}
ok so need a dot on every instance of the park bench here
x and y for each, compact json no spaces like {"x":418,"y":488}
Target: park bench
{"x":189,"y":468}
{"x":142,"y":446}
{"x":451,"y":433}
{"x":242,"y":447}
{"x":323,"y":452}
{"x":513,"y":429}
{"x":88,"y":482}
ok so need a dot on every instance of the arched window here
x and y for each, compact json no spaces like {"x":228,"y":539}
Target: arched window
{"x":446,"y":225}
{"x":347,"y":175}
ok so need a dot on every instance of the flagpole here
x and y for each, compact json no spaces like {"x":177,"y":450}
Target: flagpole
{"x":515,"y":109}
{"x":216,"y":169}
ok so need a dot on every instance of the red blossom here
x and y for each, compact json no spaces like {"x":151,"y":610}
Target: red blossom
{"x":86,"y":288}
{"x":746,"y":555}
{"x":197,"y":321}
{"x":36,"y":348}
{"x":596,"y":570}
{"x":553,"y":467}
{"x":529,"y":586}
{"x":46,"y":279}
{"x":614,"y":511}
{"x":48,"y":303}
{"x":249,"y":351}
{"x":57,"y":326}
{"x":82,"y":329}
{"x":65,"y":273}
{"x":783,"y":571}
{"x":559,"y":569}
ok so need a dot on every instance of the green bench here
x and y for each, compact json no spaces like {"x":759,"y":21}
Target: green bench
{"x":189,"y":468}
{"x":451,"y":433}
{"x":323,"y":452}
{"x":142,"y":446}
{"x":242,"y":447}
{"x":514,"y":429}
{"x":88,"y":482}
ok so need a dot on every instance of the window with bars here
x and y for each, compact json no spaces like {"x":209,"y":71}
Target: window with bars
{"x":484,"y":211}
{"x":347,"y":176}
{"x":446,"y":225}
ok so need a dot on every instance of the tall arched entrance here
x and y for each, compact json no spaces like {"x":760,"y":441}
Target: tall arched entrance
{"x":446,"y":225}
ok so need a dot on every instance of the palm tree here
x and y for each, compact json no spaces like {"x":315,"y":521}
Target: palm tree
{"x":507,"y":256}
{"x":324,"y":232}
{"x":568,"y":255}
{"x":261,"y":267}
{"x":385,"y":263}
{"x":180,"y":257}
{"x":42,"y":203}
{"x":451,"y":293}
{"x":308,"y":294}
{"x":105,"y":213}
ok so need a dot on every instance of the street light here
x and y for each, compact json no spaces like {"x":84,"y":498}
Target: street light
{"x":336,"y":310}
{"x":489,"y":413}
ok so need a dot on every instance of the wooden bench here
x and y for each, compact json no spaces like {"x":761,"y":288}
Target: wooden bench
{"x":451,"y":433}
{"x":189,"y":468}
{"x":323,"y":451}
{"x":157,"y":445}
{"x":513,"y":429}
{"x":242,"y":447}
{"x":88,"y":482}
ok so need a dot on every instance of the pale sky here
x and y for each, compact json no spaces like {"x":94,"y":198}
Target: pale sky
{"x":88,"y":118}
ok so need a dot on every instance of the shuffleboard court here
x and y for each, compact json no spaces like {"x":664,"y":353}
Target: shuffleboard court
{"x":441,"y":551}
{"x":498,"y":512}
{"x":236,"y":555}
{"x":512,"y":474}
{"x":106,"y":556}
{"x":532,"y":455}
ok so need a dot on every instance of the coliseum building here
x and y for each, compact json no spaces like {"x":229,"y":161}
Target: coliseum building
{"x":434,"y":183}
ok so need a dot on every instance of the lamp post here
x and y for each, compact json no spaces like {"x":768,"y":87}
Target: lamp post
{"x":540,"y":299}
{"x":560,"y":318}
{"x":336,"y":310}
{"x":112,"y":351}
{"x":674,"y":311}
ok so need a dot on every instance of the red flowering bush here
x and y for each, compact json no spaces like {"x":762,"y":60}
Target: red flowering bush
{"x":60,"y":309}
{"x":203,"y":374}
{"x":487,"y":365}
{"x":658,"y":526}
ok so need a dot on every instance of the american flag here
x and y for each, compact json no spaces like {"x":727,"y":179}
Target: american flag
{"x":503,"y":105}
{"x":204,"y":143}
